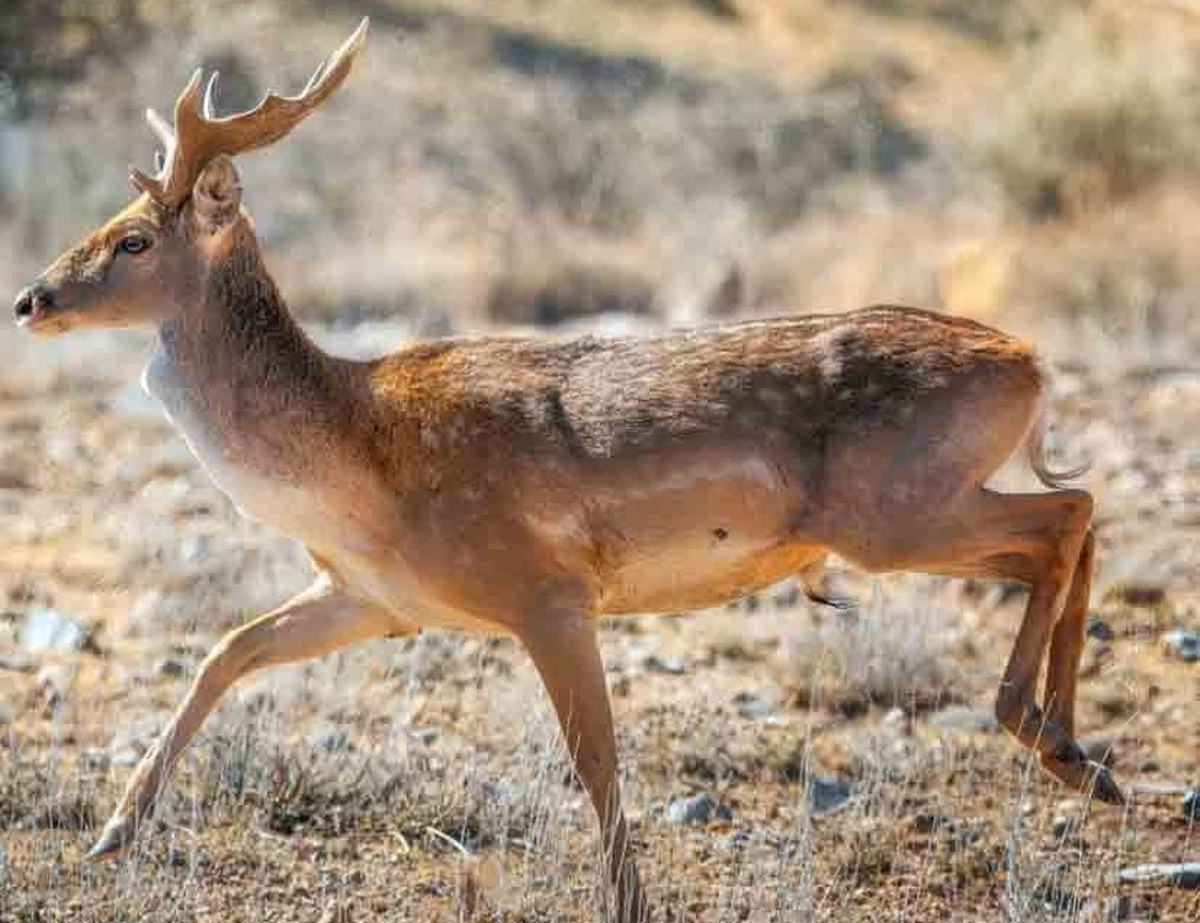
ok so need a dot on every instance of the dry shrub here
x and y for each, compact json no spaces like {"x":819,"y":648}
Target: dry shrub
{"x":560,"y":282}
{"x":895,"y":651}
{"x":467,"y":140}
{"x":1094,"y":113}
{"x":1115,"y":287}
{"x":988,"y":22}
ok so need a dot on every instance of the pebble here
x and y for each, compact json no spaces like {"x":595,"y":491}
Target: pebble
{"x":1179,"y":874}
{"x":932,"y":823}
{"x":95,"y":759}
{"x":672,"y":666}
{"x":1099,"y":629}
{"x":125,"y":757}
{"x":48,"y":631}
{"x":971,"y":720}
{"x":760,"y":707}
{"x":1182,"y":644}
{"x":170,"y":668}
{"x":331,"y":740}
{"x":697,"y":810}
{"x":827,"y":795}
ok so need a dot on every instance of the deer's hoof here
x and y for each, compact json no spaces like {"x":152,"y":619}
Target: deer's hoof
{"x":116,"y":835}
{"x":1104,"y":788}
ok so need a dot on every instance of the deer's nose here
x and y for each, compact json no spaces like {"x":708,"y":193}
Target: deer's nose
{"x":32,"y":300}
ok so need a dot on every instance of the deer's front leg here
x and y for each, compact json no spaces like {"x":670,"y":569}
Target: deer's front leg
{"x":323,"y":618}
{"x":564,"y":650}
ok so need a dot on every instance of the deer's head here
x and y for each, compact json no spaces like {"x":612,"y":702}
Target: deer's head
{"x":150,"y":261}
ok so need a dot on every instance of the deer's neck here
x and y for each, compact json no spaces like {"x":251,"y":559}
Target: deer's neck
{"x":244,"y":383}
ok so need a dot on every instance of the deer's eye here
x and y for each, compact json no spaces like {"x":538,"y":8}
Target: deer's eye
{"x":134,"y":243}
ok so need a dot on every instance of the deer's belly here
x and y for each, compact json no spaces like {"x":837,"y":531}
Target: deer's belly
{"x":697,"y":533}
{"x":699,"y":577}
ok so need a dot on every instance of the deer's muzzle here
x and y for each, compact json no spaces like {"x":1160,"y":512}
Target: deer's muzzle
{"x":32,"y":302}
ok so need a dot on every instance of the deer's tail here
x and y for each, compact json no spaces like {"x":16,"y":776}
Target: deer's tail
{"x":1035,"y":449}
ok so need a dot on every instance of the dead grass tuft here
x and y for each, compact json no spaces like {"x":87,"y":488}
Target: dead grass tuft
{"x":1093,"y":114}
{"x":893,"y":652}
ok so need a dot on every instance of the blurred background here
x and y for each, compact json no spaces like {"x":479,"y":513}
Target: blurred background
{"x":542,"y":161}
{"x":612,"y":165}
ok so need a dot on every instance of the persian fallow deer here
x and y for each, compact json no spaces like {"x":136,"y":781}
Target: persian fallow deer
{"x":529,"y":486}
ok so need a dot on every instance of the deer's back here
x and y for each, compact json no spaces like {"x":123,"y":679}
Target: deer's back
{"x":803,"y":380}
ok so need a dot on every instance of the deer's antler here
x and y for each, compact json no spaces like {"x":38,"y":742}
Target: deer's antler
{"x":199,"y":135}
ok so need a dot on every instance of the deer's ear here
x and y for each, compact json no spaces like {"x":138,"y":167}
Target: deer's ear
{"x":217,"y":193}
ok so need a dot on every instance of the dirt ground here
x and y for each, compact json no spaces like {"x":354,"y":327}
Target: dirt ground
{"x":625,"y":163}
{"x":855,"y":771}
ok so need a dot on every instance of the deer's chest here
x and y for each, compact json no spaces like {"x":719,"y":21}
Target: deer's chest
{"x":259,"y":481}
{"x":340,"y":515}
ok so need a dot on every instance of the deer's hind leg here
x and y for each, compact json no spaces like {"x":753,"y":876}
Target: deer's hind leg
{"x":1062,"y":674}
{"x":1036,"y":539}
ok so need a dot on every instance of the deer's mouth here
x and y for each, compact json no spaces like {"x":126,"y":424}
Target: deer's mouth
{"x":40,"y":317}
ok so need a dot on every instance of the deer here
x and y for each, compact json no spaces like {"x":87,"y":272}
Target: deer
{"x":527,"y":486}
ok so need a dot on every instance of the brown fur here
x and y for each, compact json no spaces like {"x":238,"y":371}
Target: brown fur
{"x":528,"y":486}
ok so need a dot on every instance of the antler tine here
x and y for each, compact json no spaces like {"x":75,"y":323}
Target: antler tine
{"x":161,"y":127}
{"x":209,"y":108}
{"x":312,"y":81}
{"x":199,"y":134}
{"x":147,"y":184}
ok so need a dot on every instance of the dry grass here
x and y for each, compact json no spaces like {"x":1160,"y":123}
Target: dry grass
{"x":1094,"y":113}
{"x":540,"y":162}
{"x":894,"y":652}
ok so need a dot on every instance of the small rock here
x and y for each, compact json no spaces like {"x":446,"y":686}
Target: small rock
{"x":756,"y":706}
{"x":696,"y":811}
{"x":1099,"y":629}
{"x":896,"y":718}
{"x":969,"y":720}
{"x":48,"y":631}
{"x":1182,"y":644}
{"x":1179,"y":874}
{"x":1191,"y":805}
{"x":932,"y":823}
{"x":6,"y":714}
{"x":95,"y":759}
{"x":827,"y":795}
{"x":167,"y":667}
{"x":331,"y":740}
{"x":125,"y":757}
{"x":18,"y":662}
{"x":673,"y":666}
